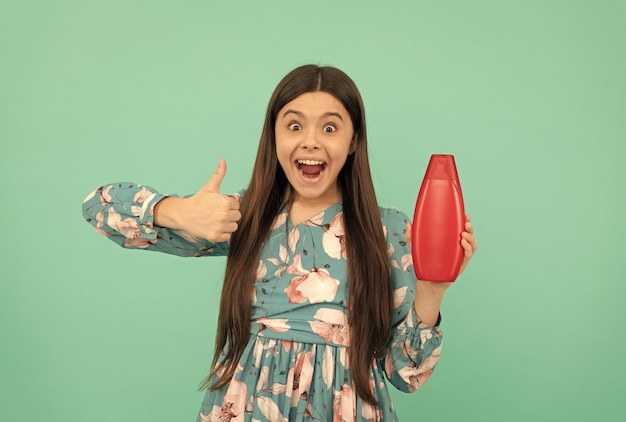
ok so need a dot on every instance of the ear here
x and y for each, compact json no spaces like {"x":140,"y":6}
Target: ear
{"x":352,"y":145}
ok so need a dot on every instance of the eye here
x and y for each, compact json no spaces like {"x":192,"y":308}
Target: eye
{"x":294,"y":126}
{"x":330,"y":128}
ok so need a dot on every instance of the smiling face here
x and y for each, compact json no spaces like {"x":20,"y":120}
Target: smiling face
{"x":314,"y":136}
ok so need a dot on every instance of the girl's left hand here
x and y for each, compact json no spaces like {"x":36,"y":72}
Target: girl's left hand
{"x":429,"y":294}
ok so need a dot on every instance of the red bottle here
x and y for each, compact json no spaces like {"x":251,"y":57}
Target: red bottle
{"x":438,"y":222}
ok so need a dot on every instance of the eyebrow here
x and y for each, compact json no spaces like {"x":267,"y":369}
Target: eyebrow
{"x":301,"y":115}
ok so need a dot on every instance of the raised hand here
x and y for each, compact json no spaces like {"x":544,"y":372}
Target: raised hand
{"x":429,"y":294}
{"x":468,"y":241}
{"x":207,"y":214}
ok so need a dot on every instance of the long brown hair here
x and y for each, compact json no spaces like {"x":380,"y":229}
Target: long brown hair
{"x":368,"y":266}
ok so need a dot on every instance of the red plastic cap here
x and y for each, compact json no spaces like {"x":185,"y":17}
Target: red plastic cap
{"x":442,"y":166}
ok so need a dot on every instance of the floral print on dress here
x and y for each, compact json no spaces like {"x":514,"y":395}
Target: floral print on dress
{"x":315,"y":286}
{"x":334,"y":238}
{"x":295,"y":366}
{"x":331,"y":325}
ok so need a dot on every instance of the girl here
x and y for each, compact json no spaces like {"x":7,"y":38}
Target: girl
{"x":320,"y":303}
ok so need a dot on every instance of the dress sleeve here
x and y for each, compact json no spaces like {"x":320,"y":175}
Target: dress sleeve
{"x":124,"y":212}
{"x":414,"y":347}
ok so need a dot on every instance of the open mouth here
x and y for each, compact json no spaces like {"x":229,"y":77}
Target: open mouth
{"x":310,"y":168}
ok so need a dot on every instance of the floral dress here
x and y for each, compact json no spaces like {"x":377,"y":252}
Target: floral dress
{"x":295,"y":366}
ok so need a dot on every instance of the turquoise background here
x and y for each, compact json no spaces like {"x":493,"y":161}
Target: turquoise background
{"x":529,"y":96}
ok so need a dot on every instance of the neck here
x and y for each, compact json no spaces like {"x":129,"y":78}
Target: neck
{"x":328,"y":198}
{"x":302,"y":208}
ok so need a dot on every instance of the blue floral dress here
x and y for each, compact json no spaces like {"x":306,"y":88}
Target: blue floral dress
{"x":295,"y":366}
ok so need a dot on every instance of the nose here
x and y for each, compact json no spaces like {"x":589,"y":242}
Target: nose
{"x":310,"y":141}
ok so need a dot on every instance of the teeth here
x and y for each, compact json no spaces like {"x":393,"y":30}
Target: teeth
{"x":310,"y":162}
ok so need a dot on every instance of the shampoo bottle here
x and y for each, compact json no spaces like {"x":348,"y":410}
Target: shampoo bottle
{"x":438,"y":222}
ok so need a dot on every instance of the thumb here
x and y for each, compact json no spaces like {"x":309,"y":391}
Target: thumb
{"x":213,"y":185}
{"x":408,"y":233}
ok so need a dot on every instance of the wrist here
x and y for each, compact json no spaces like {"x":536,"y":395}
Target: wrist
{"x":428,"y":298}
{"x":165,"y":212}
{"x":432,"y":289}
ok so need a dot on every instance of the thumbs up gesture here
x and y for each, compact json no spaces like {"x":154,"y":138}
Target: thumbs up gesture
{"x":207,"y":214}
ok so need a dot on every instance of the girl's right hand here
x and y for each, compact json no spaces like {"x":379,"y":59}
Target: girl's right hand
{"x":208,"y":214}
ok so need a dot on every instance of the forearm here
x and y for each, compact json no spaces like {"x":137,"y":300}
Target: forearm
{"x":414,"y":350}
{"x":166,"y":212}
{"x":123,"y":209}
{"x":427,"y":304}
{"x":124,"y":213}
